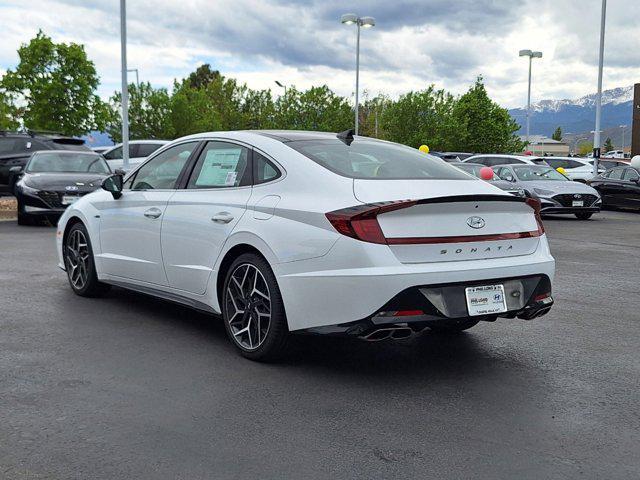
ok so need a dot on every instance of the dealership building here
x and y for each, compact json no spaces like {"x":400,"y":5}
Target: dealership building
{"x":541,"y":145}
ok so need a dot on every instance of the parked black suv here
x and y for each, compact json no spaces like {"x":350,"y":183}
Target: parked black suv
{"x":16,"y":147}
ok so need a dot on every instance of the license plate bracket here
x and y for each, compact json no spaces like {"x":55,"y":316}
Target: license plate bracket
{"x":69,"y":199}
{"x":485,"y":299}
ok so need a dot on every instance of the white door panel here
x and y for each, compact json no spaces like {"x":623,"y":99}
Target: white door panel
{"x":196,"y":226}
{"x":130,"y":235}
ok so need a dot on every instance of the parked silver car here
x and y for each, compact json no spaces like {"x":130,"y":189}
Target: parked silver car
{"x":557,"y":194}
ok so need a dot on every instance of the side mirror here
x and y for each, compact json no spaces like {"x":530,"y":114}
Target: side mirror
{"x":17,"y":170}
{"x":636,"y":180}
{"x":113,"y":184}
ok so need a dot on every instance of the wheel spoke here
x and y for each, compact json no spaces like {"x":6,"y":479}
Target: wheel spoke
{"x":247,"y":306}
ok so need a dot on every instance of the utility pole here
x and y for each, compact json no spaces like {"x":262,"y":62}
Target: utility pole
{"x":125,"y":89}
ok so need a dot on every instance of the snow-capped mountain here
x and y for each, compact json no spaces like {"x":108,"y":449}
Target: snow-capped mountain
{"x":578,"y":115}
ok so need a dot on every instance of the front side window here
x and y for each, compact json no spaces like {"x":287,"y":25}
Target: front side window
{"x":221,"y":165}
{"x":376,"y":160}
{"x":115,"y":154}
{"x":63,"y":162}
{"x":162,"y":171}
{"x":616,"y":174}
{"x":538,"y":172}
{"x":505,"y":174}
{"x":630,"y":174}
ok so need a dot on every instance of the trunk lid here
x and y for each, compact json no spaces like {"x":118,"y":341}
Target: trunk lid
{"x":453,"y":220}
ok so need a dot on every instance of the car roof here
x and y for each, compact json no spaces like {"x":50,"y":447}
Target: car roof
{"x":294,"y":135}
{"x":67,"y":152}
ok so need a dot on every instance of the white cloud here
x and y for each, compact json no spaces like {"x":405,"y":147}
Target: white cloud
{"x":415,"y":42}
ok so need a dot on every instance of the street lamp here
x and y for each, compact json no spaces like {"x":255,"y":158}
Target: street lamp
{"x":531,"y":55}
{"x":282,"y":86}
{"x":596,"y":139}
{"x":125,"y":90}
{"x":360,"y":22}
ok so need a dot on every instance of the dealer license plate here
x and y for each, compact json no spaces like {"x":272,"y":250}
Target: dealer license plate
{"x":69,"y":199}
{"x":577,"y":203}
{"x":485,"y":300}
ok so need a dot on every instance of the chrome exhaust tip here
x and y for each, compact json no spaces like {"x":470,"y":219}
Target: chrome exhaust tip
{"x":393,"y":333}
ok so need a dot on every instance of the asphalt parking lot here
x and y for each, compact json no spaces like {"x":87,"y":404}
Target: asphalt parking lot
{"x":129,"y":387}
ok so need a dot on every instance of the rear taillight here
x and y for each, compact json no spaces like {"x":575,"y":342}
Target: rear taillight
{"x":361,"y":222}
{"x":536,"y":205}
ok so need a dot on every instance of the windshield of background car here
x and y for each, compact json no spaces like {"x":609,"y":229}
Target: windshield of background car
{"x":51,"y":162}
{"x":371,"y":159}
{"x":534,"y":172}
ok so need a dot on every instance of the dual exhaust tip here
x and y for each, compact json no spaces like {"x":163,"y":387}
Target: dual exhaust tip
{"x":388,"y":333}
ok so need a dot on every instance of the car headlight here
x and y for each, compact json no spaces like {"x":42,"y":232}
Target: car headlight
{"x":27,"y":189}
{"x":543,"y":192}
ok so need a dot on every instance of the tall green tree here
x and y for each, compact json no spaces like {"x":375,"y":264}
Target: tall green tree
{"x":424,"y":117}
{"x":608,"y":145}
{"x":149,"y":113}
{"x":8,"y":114}
{"x":317,"y":108}
{"x":55,"y":85}
{"x":557,"y":134}
{"x":483,"y":126}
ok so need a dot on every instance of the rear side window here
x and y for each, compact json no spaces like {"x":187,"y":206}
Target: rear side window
{"x":376,"y":160}
{"x":221,"y":165}
{"x":15,"y":145}
{"x":146,"y":149}
{"x":263,"y":170}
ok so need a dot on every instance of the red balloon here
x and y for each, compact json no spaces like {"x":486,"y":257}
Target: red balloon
{"x":486,"y":173}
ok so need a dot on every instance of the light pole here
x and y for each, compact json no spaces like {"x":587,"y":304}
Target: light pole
{"x":125,"y":90}
{"x":596,"y":137}
{"x":360,"y":22}
{"x":531,"y":55}
{"x":282,"y":86}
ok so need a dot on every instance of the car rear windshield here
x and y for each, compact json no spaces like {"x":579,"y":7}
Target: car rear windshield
{"x":53,"y":162}
{"x":374,"y":159}
{"x":538,"y":172}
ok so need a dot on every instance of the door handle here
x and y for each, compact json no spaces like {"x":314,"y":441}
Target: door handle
{"x":222,"y":217}
{"x":153,"y":213}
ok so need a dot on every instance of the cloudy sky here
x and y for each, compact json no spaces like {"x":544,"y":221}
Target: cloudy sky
{"x":415,"y":42}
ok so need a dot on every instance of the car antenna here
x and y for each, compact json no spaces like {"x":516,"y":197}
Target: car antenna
{"x":346,"y":137}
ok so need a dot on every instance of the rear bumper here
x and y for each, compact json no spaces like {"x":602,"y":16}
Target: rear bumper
{"x":424,"y":306}
{"x":343,"y":287}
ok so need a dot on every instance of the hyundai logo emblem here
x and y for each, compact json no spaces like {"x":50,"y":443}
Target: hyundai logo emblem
{"x":476,"y":222}
{"x":577,"y":195}
{"x":71,"y":188}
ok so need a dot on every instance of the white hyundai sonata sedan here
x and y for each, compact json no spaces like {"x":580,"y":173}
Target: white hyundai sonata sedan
{"x":285,"y":231}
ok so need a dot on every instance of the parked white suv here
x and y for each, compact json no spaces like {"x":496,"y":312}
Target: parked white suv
{"x":493,"y":159}
{"x":139,"y":150}
{"x":578,"y":169}
{"x":289,"y":231}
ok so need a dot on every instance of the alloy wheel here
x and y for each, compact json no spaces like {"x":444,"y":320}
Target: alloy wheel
{"x":77,"y":259}
{"x":248,"y":306}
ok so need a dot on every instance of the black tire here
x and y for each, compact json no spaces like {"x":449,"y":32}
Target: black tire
{"x":583,"y":216}
{"x":90,"y":287}
{"x":24,"y":218}
{"x":276,"y":337}
{"x":454,"y":326}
